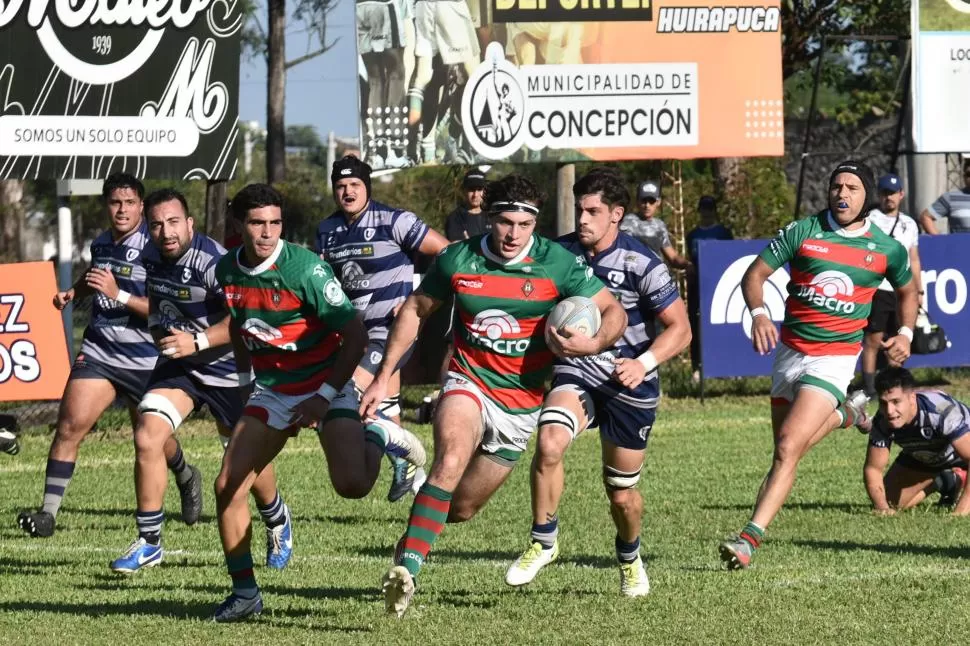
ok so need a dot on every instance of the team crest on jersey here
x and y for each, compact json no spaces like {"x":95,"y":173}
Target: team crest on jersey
{"x":869,"y":258}
{"x":528,"y":288}
{"x":333,"y":293}
{"x":615,"y":277}
{"x":131,"y":254}
{"x":369,"y":233}
{"x":277,"y":297}
{"x":186,"y":274}
{"x":319,"y":271}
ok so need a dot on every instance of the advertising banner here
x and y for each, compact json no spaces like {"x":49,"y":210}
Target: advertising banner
{"x":941,"y":75}
{"x":474,"y":81}
{"x":33,"y":352}
{"x":87,"y":89}
{"x":726,"y":325}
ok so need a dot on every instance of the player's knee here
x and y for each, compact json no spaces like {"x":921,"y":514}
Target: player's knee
{"x":70,"y":430}
{"x":448,"y":466}
{"x":625,"y":500}
{"x":551,"y":445}
{"x":788,"y":451}
{"x":150,"y":436}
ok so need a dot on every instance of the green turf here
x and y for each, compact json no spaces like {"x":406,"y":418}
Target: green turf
{"x":830,"y":572}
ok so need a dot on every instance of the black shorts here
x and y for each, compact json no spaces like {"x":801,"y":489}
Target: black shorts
{"x":225,"y":404}
{"x":375,"y":353}
{"x":622,"y":423}
{"x":908,"y":461}
{"x":882,"y":317}
{"x":130,"y":384}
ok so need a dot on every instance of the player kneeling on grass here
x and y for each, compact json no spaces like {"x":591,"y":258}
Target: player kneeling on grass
{"x":187,"y":318}
{"x":292,"y":321}
{"x":504,"y":284}
{"x":837,"y":259}
{"x":617,"y":390}
{"x":932,"y":430}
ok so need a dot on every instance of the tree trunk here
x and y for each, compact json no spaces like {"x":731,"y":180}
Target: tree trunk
{"x":215,"y":210}
{"x":11,"y":220}
{"x":727,"y":170}
{"x":276,"y":93}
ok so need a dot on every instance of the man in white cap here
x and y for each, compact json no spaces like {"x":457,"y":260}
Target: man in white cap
{"x":649,"y":229}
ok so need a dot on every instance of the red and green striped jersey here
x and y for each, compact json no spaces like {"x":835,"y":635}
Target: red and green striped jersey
{"x":834,"y":276}
{"x":288,"y":310}
{"x":500,"y":311}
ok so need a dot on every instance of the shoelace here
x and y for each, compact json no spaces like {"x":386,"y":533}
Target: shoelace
{"x":534,"y":552}
{"x":133,"y":548}
{"x":276,"y":538}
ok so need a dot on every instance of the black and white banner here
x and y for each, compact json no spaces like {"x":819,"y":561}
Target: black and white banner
{"x":91,"y":87}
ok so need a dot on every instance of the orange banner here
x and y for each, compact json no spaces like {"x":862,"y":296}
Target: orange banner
{"x":33,"y":350}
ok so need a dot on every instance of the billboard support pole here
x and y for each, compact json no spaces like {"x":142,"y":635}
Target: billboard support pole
{"x":65,"y":246}
{"x":565,"y":213}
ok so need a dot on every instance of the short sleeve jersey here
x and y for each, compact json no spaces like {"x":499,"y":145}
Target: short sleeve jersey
{"x":834,"y":276}
{"x":500,"y":312}
{"x":955,"y":207}
{"x":940,"y":419}
{"x":651,"y":232}
{"x":289,"y":310}
{"x":901,"y":228}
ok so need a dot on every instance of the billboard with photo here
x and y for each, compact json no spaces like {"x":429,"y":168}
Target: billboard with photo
{"x":941,"y":75}
{"x":91,"y":88}
{"x":474,"y":81}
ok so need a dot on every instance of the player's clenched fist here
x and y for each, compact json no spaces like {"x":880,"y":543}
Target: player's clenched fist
{"x":61,"y":299}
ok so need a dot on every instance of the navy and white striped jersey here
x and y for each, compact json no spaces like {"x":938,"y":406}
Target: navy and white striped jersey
{"x":639,"y":280}
{"x":940,"y":419}
{"x":371,"y":257}
{"x":955,"y":207}
{"x":116,"y":336}
{"x":185,"y":295}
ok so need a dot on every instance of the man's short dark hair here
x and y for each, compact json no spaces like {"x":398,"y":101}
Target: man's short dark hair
{"x":890,"y":378}
{"x":607,"y":182}
{"x":513,"y":188}
{"x":254,"y":196}
{"x":115,"y":181}
{"x":165,"y":195}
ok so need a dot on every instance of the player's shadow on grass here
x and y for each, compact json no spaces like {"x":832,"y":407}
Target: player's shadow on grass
{"x":41,"y":566}
{"x":127,"y":514}
{"x":887,"y":548}
{"x":845,"y":507}
{"x":153,"y":607}
{"x":345,"y":520}
{"x":113,"y":583}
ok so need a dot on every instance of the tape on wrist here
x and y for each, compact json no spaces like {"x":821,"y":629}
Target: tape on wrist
{"x":201,"y":341}
{"x":648,"y":360}
{"x":906,"y":332}
{"x":328,"y":392}
{"x":245,"y":378}
{"x":123,"y":297}
{"x":758,"y":311}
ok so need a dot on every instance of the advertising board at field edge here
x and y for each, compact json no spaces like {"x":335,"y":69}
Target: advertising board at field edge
{"x":726,"y":324}
{"x":568,"y":80}
{"x":33,"y":351}
{"x":87,"y":89}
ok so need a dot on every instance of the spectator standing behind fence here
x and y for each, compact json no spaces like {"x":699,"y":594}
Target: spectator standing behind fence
{"x":882,"y":319}
{"x":952,"y":205}
{"x":708,"y":229}
{"x":645,"y":226}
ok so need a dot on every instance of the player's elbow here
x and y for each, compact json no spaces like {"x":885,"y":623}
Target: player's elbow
{"x":354,"y":335}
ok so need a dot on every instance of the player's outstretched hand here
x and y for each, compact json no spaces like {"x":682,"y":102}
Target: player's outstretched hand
{"x":61,"y":299}
{"x":570,"y":342}
{"x":897,"y":349}
{"x":103,"y":281}
{"x":764,"y":334}
{"x":371,"y":400}
{"x":310,"y":411}
{"x":629,"y":372}
{"x":177,"y":344}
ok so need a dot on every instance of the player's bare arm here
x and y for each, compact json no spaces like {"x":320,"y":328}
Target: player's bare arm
{"x":897,"y":348}
{"x":928,"y":222}
{"x":613,"y":323}
{"x":669,"y":343}
{"x":244,"y":362}
{"x":675,"y":260}
{"x":877,"y":458}
{"x":403,"y":333}
{"x":433,"y":243}
{"x":962,"y":447}
{"x":178,"y":344}
{"x":764,"y":334}
{"x":916,"y":267}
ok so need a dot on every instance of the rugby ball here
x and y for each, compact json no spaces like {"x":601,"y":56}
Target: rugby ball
{"x":577,"y":312}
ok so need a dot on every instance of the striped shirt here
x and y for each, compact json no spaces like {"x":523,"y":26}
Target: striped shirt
{"x":955,"y":207}
{"x":650,"y":231}
{"x":185,"y":295}
{"x":116,"y":336}
{"x":940,"y":419}
{"x":370,"y":256}
{"x":641,"y":283}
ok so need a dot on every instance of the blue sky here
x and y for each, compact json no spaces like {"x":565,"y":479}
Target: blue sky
{"x":321,"y":92}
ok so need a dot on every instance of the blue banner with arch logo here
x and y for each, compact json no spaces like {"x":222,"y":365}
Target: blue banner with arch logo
{"x":725,"y":323}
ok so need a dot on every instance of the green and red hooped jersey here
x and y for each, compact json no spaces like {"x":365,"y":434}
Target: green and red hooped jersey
{"x":289,"y":311}
{"x":834,"y":276}
{"x":500,"y":312}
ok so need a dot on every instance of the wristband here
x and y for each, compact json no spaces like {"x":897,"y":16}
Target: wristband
{"x":123,"y":297}
{"x":648,"y":360}
{"x":201,"y":341}
{"x":328,"y":392}
{"x":245,"y":378}
{"x":906,"y":332}
{"x":758,"y":311}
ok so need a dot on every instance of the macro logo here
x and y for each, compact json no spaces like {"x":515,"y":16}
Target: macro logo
{"x":825,"y":290}
{"x":728,"y":306}
{"x":490,"y":328}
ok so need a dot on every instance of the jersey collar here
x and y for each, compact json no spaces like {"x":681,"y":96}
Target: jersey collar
{"x":263,"y":266}
{"x":838,"y":230}
{"x":511,"y":261}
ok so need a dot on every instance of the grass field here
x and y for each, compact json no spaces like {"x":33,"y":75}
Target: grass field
{"x":830,"y":571}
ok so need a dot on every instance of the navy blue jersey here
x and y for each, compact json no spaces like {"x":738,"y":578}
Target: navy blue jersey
{"x":639,"y":280}
{"x":184,"y":295}
{"x":940,"y":419}
{"x":116,"y":336}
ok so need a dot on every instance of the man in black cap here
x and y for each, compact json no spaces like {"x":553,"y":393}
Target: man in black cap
{"x":645,"y":226}
{"x":837,"y":259}
{"x":467,"y":221}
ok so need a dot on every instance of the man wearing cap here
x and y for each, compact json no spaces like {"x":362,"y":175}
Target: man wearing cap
{"x":368,"y":244}
{"x":882,"y":318}
{"x":952,"y":205}
{"x":649,"y":229}
{"x":708,"y":229}
{"x":837,"y":259}
{"x":467,"y":220}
